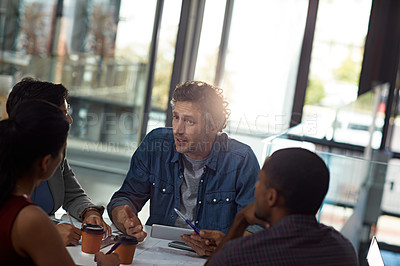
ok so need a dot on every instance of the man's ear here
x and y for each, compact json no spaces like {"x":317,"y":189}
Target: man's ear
{"x":272,"y":197}
{"x":211,"y":124}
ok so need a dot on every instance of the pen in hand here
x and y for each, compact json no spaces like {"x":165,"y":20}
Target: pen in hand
{"x":197,"y":230}
{"x":70,"y":219}
{"x":114,"y":247}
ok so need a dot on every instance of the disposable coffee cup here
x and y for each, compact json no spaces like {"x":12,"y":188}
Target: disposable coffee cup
{"x":126,"y":249}
{"x":92,"y":234}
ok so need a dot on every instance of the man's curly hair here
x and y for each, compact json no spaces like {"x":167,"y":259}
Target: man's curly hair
{"x":208,"y":97}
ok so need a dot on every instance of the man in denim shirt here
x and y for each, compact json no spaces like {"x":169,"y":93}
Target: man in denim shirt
{"x":193,"y":167}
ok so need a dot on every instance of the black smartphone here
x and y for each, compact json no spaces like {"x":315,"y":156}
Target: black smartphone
{"x":180,"y":245}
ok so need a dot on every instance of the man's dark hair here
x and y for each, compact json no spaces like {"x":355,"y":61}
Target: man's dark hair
{"x":301,"y":176}
{"x":32,"y":89}
{"x":208,"y":97}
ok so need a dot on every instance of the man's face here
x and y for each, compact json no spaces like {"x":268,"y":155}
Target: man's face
{"x":65,"y":108}
{"x":260,"y":194}
{"x":191,"y":134}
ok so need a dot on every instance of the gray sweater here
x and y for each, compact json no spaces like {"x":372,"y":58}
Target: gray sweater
{"x":67,"y":192}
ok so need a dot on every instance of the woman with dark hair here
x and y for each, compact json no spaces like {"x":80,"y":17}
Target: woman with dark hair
{"x":62,"y":188}
{"x":32,"y":142}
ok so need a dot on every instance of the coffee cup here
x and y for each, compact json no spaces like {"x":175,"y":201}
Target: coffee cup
{"x":126,"y":250}
{"x":92,"y":234}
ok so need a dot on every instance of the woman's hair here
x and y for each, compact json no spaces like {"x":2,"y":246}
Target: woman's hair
{"x":31,"y":89}
{"x":35,"y":129}
{"x":208,"y":97}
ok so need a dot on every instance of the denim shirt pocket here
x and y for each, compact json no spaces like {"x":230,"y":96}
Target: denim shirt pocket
{"x":219,"y":210}
{"x":162,"y":196}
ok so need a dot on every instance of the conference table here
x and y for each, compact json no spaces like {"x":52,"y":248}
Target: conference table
{"x":152,"y":251}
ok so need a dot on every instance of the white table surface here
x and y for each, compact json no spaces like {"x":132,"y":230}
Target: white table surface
{"x":151,"y":251}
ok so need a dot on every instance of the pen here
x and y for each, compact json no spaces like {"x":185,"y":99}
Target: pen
{"x":187,"y":221}
{"x":113,"y":248}
{"x":70,"y":219}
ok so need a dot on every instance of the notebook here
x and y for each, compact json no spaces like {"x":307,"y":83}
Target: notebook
{"x":374,"y":256}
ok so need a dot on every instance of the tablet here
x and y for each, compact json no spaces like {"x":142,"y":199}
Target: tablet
{"x":169,"y":232}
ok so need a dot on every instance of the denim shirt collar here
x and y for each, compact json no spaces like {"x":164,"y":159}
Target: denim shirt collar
{"x":220,"y":144}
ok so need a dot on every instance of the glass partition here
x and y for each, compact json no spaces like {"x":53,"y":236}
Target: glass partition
{"x":351,"y":178}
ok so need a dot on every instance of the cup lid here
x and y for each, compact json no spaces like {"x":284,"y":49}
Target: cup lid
{"x":126,"y":239}
{"x":93,"y":229}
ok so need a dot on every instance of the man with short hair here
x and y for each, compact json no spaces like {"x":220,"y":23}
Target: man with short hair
{"x":291,"y":187}
{"x":192,"y":166}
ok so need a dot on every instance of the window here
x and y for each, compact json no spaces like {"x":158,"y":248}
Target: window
{"x":164,"y":63}
{"x":335,"y":67}
{"x":261,"y":66}
{"x":209,"y":42}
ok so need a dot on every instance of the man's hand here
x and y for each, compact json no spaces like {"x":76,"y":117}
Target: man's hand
{"x":132,"y":224}
{"x":69,"y":233}
{"x":127,"y":221}
{"x":247,"y":215}
{"x":103,"y":260}
{"x":94,"y":217}
{"x":206,"y":243}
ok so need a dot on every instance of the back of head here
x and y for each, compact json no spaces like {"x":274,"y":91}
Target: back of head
{"x":31,"y":89}
{"x":35,"y":129}
{"x":301,"y":176}
{"x":208,"y":97}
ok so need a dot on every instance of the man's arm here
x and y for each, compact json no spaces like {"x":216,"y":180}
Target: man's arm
{"x":243,"y":219}
{"x":133,"y":194}
{"x":235,"y":231}
{"x":77,"y":203}
{"x":75,"y":198}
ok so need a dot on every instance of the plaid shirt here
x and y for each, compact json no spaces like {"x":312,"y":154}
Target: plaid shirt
{"x":294,"y":240}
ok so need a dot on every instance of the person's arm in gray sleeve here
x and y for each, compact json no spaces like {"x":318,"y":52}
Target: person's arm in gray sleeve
{"x":76,"y":201}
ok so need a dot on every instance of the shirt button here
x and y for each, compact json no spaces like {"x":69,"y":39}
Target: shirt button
{"x":201,"y":180}
{"x":215,"y":200}
{"x":172,"y":217}
{"x":199,"y":201}
{"x":227,"y":199}
{"x":163,"y":190}
{"x":181,"y":176}
{"x":154,"y":184}
{"x":197,"y":222}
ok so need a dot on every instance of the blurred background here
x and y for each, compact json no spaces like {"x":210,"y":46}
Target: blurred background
{"x":321,"y":74}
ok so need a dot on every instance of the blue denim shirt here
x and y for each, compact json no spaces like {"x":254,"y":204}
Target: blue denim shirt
{"x":156,"y":173}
